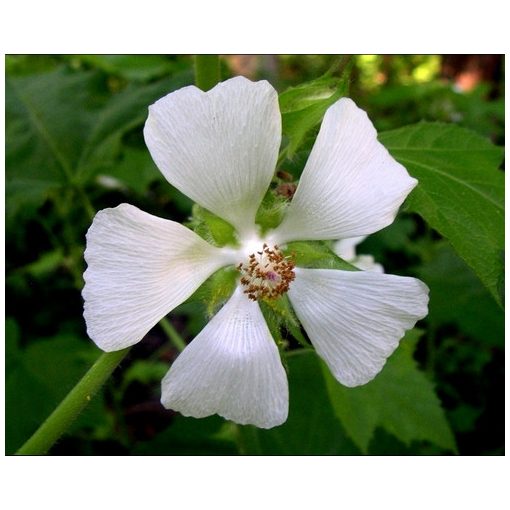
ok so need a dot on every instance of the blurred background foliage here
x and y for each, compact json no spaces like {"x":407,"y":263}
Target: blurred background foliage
{"x":74,"y":146}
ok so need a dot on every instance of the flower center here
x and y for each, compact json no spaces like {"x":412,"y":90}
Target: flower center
{"x":267,"y":274}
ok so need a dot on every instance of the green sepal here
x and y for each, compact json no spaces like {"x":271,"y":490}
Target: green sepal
{"x":304,"y":106}
{"x":280,"y":314}
{"x":271,"y":210}
{"x":216,"y":290}
{"x":212,"y":228}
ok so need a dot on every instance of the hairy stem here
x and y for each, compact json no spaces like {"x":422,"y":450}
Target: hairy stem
{"x":172,"y":334}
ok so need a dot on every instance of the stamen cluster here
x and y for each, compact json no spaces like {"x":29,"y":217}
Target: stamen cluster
{"x":268,"y":273}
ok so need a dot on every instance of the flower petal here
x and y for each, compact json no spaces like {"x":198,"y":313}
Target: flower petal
{"x":346,"y":249}
{"x":218,"y":147}
{"x":367,"y":263}
{"x":231,"y":368}
{"x":355,"y":319}
{"x":350,"y":186}
{"x":139,"y":268}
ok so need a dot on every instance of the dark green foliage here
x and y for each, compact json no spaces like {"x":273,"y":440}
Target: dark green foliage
{"x":400,"y":399}
{"x":74,"y":144}
{"x":312,"y":427}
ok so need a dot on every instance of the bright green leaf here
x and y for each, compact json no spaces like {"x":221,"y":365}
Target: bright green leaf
{"x":460,"y":191}
{"x":400,"y":399}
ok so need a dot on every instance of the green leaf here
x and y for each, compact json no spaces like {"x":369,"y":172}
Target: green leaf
{"x":45,"y":264}
{"x":212,"y":228}
{"x":122,"y":112}
{"x":64,"y":127}
{"x":304,"y":106}
{"x":134,"y":170}
{"x":131,"y":67}
{"x":12,"y":348}
{"x":189,"y":436}
{"x":47,"y":116}
{"x":400,"y":399}
{"x":457,"y":296}
{"x":145,"y":372}
{"x":311,"y":428}
{"x":460,"y":191}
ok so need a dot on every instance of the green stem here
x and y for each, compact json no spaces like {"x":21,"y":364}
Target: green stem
{"x":172,"y":334}
{"x":72,"y":405}
{"x":87,"y":204}
{"x":207,"y":71}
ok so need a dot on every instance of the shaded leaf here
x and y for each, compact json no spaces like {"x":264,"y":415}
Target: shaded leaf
{"x":12,"y":347}
{"x":123,"y":112}
{"x":189,"y":436}
{"x":131,"y":67}
{"x":47,"y":118}
{"x":63,"y":127}
{"x":456,"y":295}
{"x":400,"y":399}
{"x":311,"y":428}
{"x":144,"y":372}
{"x":43,"y":374}
{"x":135,"y":170}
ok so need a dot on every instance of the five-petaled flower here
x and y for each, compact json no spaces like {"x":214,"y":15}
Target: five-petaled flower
{"x":220,"y":148}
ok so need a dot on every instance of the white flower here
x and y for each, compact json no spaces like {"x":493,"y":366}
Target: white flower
{"x":346,"y":249}
{"x":220,"y":148}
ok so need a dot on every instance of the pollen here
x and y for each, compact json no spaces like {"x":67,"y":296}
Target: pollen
{"x":267,"y":274}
